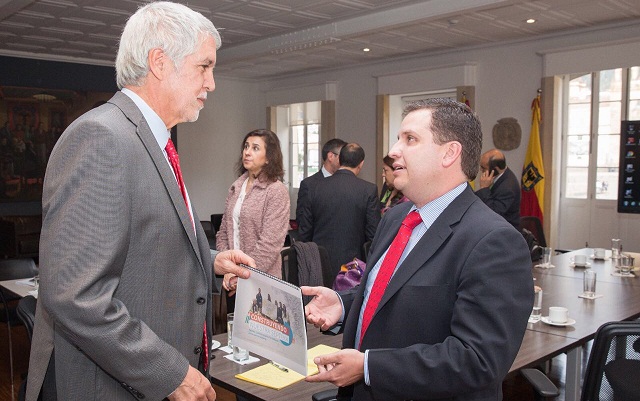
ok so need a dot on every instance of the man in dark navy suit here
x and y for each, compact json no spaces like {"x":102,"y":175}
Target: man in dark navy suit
{"x":499,"y":187}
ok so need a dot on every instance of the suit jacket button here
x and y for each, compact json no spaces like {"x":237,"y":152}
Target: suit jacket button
{"x":197,"y":350}
{"x":201,"y":301}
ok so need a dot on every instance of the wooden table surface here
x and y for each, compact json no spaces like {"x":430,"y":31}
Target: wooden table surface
{"x":223,"y":373}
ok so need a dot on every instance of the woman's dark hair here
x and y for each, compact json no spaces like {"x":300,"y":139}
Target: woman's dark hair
{"x":388,"y":160}
{"x":273,"y":170}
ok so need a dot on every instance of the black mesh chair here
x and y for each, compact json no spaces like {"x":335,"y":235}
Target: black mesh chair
{"x":216,"y":220}
{"x":613,"y":370}
{"x":207,"y":226}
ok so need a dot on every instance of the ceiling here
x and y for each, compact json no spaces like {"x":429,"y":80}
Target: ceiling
{"x":270,"y":38}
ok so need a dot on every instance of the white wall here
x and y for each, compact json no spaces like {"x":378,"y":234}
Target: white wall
{"x":507,"y":78}
{"x":210,"y":147}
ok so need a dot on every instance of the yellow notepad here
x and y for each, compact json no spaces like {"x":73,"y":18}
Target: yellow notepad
{"x":270,"y":376}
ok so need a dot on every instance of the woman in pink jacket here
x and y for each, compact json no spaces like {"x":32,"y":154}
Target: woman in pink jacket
{"x":256,"y":215}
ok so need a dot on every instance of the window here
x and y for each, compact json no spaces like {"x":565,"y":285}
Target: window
{"x":596,"y":103}
{"x":304,"y":138}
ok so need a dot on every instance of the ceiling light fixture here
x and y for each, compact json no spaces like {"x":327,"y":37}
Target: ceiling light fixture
{"x":366,"y":49}
{"x":531,"y":21}
{"x":44,"y":97}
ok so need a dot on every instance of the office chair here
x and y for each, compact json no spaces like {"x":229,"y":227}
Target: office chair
{"x":365,"y":250}
{"x":26,"y":311}
{"x":613,"y":370}
{"x":207,"y":226}
{"x":534,"y":225}
{"x":12,"y":269}
{"x":216,"y":220}
{"x":289,"y":258}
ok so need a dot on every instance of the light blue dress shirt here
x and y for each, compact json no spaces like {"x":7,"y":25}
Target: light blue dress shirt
{"x":429,"y":213}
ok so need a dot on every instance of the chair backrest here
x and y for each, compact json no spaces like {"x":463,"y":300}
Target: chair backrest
{"x":614,"y":363}
{"x":209,"y":232}
{"x":533,"y":224}
{"x":216,"y":220}
{"x":26,"y":311}
{"x":365,"y":250}
{"x":289,"y":258}
{"x":13,"y":269}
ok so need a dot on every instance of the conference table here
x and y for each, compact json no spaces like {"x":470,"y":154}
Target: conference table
{"x":619,"y":299}
{"x":561,"y":286}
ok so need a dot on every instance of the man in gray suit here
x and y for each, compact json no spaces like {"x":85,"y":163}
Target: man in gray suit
{"x":125,"y":303}
{"x":442,"y":309}
{"x":343,"y":211}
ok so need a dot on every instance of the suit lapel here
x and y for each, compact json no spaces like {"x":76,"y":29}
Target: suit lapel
{"x":143,"y":131}
{"x":428,"y":245}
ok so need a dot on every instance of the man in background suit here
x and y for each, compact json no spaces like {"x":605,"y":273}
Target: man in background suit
{"x":342,"y":211}
{"x":499,"y":187}
{"x":126,"y":274}
{"x":330,"y":164}
{"x":450,"y":321}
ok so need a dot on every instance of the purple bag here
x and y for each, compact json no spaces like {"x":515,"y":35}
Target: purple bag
{"x":349,"y":275}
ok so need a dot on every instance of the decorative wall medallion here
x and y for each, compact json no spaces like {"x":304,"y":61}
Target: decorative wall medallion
{"x":507,"y":134}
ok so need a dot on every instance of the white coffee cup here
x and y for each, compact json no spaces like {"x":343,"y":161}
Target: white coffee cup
{"x":580,"y":260}
{"x":558,"y":314}
{"x":599,"y":253}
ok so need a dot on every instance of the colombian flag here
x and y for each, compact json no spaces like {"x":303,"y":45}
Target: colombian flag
{"x":532,"y":201}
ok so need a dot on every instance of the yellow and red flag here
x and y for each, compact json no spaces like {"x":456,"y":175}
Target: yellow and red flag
{"x":532,"y":200}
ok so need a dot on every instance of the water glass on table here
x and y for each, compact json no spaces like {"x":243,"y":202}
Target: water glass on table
{"x":536,"y":312}
{"x":546,"y":257}
{"x":589,"y":284}
{"x":616,"y":248}
{"x":625,"y":264}
{"x":239,"y":354}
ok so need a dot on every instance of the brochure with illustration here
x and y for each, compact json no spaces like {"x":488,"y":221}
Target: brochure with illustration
{"x":269,"y":320}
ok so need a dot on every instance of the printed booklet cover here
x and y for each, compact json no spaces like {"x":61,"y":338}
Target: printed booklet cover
{"x":269,"y":320}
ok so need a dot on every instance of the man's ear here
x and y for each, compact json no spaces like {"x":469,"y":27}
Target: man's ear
{"x":159,"y":63}
{"x":452,"y":153}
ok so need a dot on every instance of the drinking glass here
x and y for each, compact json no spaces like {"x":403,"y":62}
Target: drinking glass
{"x":546,"y":257}
{"x":616,"y":248}
{"x":229,"y":329}
{"x":589,"y":284}
{"x":536,"y":312}
{"x":625,"y":264}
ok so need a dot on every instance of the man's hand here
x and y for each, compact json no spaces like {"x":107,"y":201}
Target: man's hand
{"x":341,"y":368}
{"x":230,"y":283}
{"x":194,"y":387}
{"x":229,"y":262}
{"x":486,"y":179}
{"x":325,"y":309}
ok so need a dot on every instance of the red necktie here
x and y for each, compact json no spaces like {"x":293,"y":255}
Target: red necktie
{"x":388,"y":267}
{"x":172,"y":154}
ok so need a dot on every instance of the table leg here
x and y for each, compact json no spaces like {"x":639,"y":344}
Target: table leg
{"x":573,"y":374}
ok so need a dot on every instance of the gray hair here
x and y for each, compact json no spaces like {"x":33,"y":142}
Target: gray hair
{"x":172,"y":27}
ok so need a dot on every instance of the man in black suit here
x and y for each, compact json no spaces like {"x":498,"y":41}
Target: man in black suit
{"x":330,"y":164}
{"x":499,"y":187}
{"x":342,"y":211}
{"x":442,"y":314}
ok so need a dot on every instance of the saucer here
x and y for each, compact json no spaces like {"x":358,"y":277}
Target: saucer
{"x":587,"y":265}
{"x":214,"y":344}
{"x":569,"y":322}
{"x":594,"y":257}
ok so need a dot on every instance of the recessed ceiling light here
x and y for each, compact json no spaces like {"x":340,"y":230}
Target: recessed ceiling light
{"x":531,"y":21}
{"x":366,"y":49}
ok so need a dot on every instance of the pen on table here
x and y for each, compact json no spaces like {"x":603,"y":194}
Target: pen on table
{"x":282,"y":368}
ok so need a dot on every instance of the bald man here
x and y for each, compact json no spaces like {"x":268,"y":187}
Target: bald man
{"x":499,"y":187}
